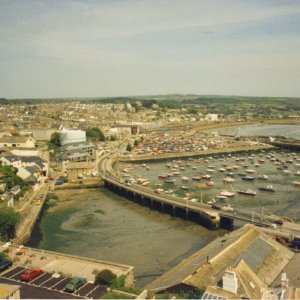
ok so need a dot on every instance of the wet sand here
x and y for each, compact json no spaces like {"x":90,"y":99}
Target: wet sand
{"x":101,"y":225}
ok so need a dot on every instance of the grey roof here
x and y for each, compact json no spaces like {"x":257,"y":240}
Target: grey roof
{"x":76,"y":146}
{"x":207,"y":266}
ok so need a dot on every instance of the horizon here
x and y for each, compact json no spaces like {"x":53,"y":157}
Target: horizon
{"x":83,"y":48}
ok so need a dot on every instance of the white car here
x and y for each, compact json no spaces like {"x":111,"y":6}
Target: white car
{"x":227,"y":207}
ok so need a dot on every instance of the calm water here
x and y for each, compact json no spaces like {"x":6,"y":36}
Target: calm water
{"x":101,"y":225}
{"x":291,"y":131}
{"x":285,"y":201}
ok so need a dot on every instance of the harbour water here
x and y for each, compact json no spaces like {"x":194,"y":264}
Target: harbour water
{"x":102,"y":225}
{"x":278,"y":169}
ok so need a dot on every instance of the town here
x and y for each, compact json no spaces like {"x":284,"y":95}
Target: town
{"x":59,"y":146}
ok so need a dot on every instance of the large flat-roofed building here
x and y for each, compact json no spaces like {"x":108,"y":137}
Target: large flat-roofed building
{"x":264,"y":256}
{"x":68,"y":136}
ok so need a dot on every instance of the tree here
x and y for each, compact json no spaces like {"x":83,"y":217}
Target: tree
{"x":9,"y":218}
{"x":95,"y":134}
{"x":105,"y":277}
{"x":128,"y":148}
{"x":136,"y":142}
{"x":55,"y":141}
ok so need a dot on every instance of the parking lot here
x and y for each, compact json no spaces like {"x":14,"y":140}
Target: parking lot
{"x":49,"y":286}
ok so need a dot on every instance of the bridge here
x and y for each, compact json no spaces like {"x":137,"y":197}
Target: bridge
{"x":195,"y":211}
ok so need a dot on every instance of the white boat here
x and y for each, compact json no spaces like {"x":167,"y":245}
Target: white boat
{"x":184,"y":178}
{"x":263,"y":177}
{"x":247,"y":192}
{"x":229,"y":180}
{"x":296,"y":183}
{"x":297,"y":173}
{"x":227,"y":193}
{"x":227,"y":207}
{"x":184,"y":187}
{"x":250,"y":171}
{"x":212,"y":201}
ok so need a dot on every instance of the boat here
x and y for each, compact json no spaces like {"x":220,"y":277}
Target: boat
{"x":168,"y":165}
{"x":297,"y":173}
{"x":247,"y":177}
{"x":170,"y":180}
{"x":220,"y":197}
{"x":296,"y":183}
{"x":206,"y":176}
{"x":141,"y":180}
{"x":184,"y":178}
{"x":250,"y":171}
{"x":222,"y":170}
{"x":189,"y":194}
{"x":212,"y":201}
{"x":210,"y":183}
{"x":263,"y":177}
{"x":145,"y":183}
{"x":268,"y":188}
{"x":247,"y":192}
{"x":227,"y":207}
{"x":163,"y":176}
{"x":176,"y":173}
{"x":184,"y":187}
{"x":169,"y":191}
{"x":196,"y":178}
{"x":229,"y":180}
{"x":158,"y":191}
{"x":227,"y":193}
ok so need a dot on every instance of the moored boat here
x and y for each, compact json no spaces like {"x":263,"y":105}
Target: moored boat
{"x":247,"y":192}
{"x":227,"y":193}
{"x":268,"y":188}
{"x":247,"y":177}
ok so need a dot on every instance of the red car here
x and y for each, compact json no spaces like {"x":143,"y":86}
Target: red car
{"x":30,"y":274}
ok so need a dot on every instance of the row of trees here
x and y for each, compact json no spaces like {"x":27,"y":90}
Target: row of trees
{"x":9,"y":219}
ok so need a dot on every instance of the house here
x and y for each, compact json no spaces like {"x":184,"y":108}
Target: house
{"x":15,"y":189}
{"x":247,"y":250}
{"x":17,"y":142}
{"x":25,"y":161}
{"x":10,"y":291}
{"x":77,"y":158}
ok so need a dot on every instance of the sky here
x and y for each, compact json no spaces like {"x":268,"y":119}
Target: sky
{"x":108,"y":48}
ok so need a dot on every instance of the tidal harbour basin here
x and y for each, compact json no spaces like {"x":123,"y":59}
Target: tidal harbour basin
{"x":102,"y":225}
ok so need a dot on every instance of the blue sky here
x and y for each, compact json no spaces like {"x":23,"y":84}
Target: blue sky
{"x":89,"y":48}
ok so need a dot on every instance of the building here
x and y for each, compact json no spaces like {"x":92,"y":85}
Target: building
{"x":26,"y":161}
{"x":247,"y":248}
{"x":77,"y":158}
{"x":9,"y":291}
{"x":17,"y":142}
{"x":68,"y":136}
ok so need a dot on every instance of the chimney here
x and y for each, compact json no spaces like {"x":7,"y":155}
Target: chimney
{"x":230,"y":282}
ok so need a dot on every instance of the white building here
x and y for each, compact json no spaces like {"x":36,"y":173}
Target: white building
{"x":212,"y":117}
{"x":68,"y":136}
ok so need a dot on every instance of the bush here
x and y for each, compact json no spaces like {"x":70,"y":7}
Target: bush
{"x":105,"y":277}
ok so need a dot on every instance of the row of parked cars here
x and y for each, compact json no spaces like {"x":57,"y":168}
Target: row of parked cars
{"x":30,"y":274}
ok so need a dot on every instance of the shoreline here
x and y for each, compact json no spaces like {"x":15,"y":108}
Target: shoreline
{"x":155,"y":157}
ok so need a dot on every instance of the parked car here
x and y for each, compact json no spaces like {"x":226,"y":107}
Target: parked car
{"x":59,"y":182}
{"x":5,"y":264}
{"x":74,"y":284}
{"x":51,"y":178}
{"x":30,"y":274}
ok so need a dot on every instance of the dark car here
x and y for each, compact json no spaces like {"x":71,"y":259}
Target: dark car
{"x":30,"y":274}
{"x":59,"y":182}
{"x":74,"y":284}
{"x":5,"y":264}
